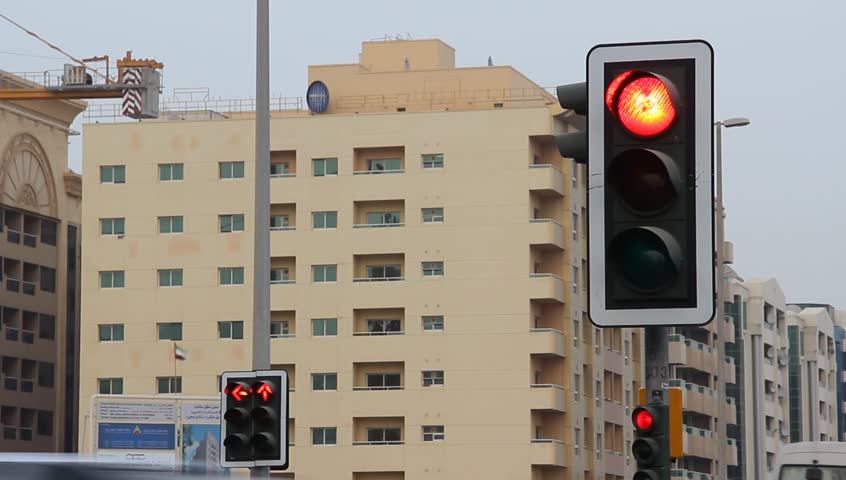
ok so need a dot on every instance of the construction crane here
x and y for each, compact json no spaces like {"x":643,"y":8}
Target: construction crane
{"x":138,"y":82}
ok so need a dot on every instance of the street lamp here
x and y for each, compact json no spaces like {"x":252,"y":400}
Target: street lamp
{"x":720,"y":234}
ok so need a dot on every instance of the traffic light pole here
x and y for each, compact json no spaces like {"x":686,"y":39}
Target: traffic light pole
{"x":261,"y":263}
{"x":657,"y":363}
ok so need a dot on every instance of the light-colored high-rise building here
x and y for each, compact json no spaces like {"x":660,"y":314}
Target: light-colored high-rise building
{"x":427,"y":272}
{"x":40,"y":200}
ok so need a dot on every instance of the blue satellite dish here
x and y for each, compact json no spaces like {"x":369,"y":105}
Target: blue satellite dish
{"x":317,"y":97}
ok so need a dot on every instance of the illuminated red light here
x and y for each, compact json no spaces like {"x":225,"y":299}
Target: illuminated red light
{"x":645,"y":106}
{"x":238,"y":392}
{"x":643,"y":419}
{"x":613,"y":87}
{"x":264,"y":391}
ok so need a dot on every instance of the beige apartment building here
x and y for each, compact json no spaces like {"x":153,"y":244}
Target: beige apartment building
{"x":40,"y":202}
{"x":428,"y":273}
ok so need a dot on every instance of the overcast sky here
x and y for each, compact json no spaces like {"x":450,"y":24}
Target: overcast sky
{"x":780,"y":63}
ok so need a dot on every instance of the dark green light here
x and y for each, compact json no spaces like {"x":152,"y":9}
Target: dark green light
{"x":644,"y":259}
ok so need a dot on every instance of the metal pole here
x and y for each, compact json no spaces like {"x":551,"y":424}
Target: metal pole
{"x":261,"y":263}
{"x":720,"y":283}
{"x":657,"y":363}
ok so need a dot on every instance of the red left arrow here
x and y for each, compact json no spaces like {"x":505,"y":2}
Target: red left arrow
{"x":239,"y":392}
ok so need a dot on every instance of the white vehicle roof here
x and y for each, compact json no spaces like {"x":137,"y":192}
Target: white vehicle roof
{"x":806,"y":453}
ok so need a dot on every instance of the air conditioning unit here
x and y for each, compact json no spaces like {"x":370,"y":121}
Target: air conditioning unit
{"x":769,"y":352}
{"x":771,"y":387}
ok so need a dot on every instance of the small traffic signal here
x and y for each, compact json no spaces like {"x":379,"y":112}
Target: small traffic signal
{"x":254,"y":425}
{"x":650,"y":201}
{"x":651,"y":448}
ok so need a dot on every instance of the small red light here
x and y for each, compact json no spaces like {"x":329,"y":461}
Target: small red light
{"x":645,"y":106}
{"x":238,"y":392}
{"x":613,"y":87}
{"x":265,"y":391}
{"x":643,"y":419}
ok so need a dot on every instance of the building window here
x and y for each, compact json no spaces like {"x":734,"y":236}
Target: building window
{"x":233,"y":329}
{"x":433,"y":215}
{"x":231,"y":169}
{"x":231,"y":275}
{"x":384,"y":435}
{"x":433,"y":322}
{"x":433,"y":269}
{"x":45,"y":374}
{"x":384,"y":381}
{"x":45,"y":423}
{"x":231,"y":223}
{"x":433,"y":433}
{"x":167,"y":385}
{"x":324,"y":435}
{"x":324,"y":327}
{"x":48,"y":231}
{"x":280,"y":169}
{"x":325,"y":167}
{"x":382,"y":326}
{"x":171,"y":224}
{"x":112,"y":226}
{"x":110,"y":332}
{"x":324,"y":381}
{"x":110,"y":386}
{"x":170,"y":172}
{"x":170,"y":331}
{"x":375,"y":165}
{"x":433,"y":377}
{"x":112,"y":279}
{"x":433,"y":160}
{"x":383,"y":218}
{"x":48,"y":279}
{"x":385,"y":272}
{"x":279,"y":329}
{"x":279,"y":275}
{"x":279,"y":222}
{"x":324,"y":220}
{"x":324,"y":273}
{"x":170,"y":277}
{"x":113,"y":174}
{"x":46,"y":327}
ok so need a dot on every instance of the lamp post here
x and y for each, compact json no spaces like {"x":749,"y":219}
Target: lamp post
{"x":720,"y":276}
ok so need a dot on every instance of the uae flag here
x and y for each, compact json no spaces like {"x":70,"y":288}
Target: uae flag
{"x":178,"y":352}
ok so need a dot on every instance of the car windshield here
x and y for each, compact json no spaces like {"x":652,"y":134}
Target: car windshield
{"x":806,"y":472}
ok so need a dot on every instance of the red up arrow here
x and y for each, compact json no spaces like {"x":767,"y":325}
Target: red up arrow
{"x":265,"y":391}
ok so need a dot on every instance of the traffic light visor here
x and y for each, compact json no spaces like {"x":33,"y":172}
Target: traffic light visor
{"x":643,"y":419}
{"x":647,"y":257}
{"x":643,"y":102}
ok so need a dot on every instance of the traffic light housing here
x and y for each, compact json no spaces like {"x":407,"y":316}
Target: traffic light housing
{"x":651,"y":446}
{"x":254,"y":425}
{"x":650,"y":196}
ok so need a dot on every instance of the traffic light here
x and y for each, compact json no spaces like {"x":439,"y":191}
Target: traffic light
{"x":254,"y":425}
{"x":651,"y":449}
{"x":650,"y":201}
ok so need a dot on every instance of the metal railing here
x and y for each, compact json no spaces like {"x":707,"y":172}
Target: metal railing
{"x":544,"y":275}
{"x":377,"y":334}
{"x":378,"y":279}
{"x":12,"y":284}
{"x":11,"y":333}
{"x":30,"y":240}
{"x":546,"y":329}
{"x":283,"y":335}
{"x":378,"y":225}
{"x":545,"y":220}
{"x":216,"y":107}
{"x":13,"y":236}
{"x":28,"y":288}
{"x":377,"y":172}
{"x":27,"y":336}
{"x":378,"y":442}
{"x":283,"y":282}
{"x":364,"y":389}
{"x":283,"y":229}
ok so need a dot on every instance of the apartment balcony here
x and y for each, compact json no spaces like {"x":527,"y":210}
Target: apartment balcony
{"x":283,"y":217}
{"x":731,"y":452}
{"x":615,"y":412}
{"x":727,"y":332}
{"x":283,"y":163}
{"x":378,"y":444}
{"x":681,"y":474}
{"x":730,"y":370}
{"x":615,"y":463}
{"x":549,"y":472}
{"x":545,"y":179}
{"x":700,"y":443}
{"x":731,"y":411}
{"x":549,"y":451}
{"x":692,"y":354}
{"x":697,"y":398}
{"x":546,"y":233}
{"x":546,"y":341}
{"x":378,"y":268}
{"x":378,"y":160}
{"x":379,"y":214}
{"x":548,"y":397}
{"x":546,"y":287}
